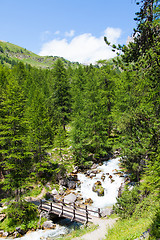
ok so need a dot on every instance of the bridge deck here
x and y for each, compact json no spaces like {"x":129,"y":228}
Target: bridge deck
{"x":72,"y":212}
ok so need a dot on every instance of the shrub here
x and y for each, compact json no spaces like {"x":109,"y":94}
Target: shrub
{"x":21,"y":214}
{"x":126,"y":204}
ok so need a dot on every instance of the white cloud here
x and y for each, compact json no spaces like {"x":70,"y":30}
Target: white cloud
{"x":70,"y":34}
{"x":84,"y":48}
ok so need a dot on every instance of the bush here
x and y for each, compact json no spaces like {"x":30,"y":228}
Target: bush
{"x":126,"y":204}
{"x":21,"y":214}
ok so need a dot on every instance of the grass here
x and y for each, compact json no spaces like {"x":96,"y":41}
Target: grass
{"x":17,"y":53}
{"x":79,"y":232}
{"x":128,"y":229}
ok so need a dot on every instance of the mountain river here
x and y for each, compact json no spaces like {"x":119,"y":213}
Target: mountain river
{"x":109,"y":168}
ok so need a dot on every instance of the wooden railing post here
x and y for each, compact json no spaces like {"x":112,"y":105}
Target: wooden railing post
{"x":99,"y":212}
{"x":86,"y":215}
{"x":74,"y":211}
{"x":62,"y":205}
{"x":40,"y":202}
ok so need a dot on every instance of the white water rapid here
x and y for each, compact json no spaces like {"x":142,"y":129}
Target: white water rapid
{"x":110,"y":188}
{"x":110,"y":193}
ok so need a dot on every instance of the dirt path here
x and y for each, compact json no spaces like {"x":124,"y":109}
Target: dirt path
{"x":100,"y":232}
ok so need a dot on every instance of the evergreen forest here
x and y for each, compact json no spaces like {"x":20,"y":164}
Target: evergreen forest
{"x":85,"y":113}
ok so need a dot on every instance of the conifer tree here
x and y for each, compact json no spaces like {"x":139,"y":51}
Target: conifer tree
{"x":61,"y":94}
{"x":15,"y":155}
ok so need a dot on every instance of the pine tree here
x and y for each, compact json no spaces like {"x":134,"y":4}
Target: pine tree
{"x":61,"y":94}
{"x":15,"y":155}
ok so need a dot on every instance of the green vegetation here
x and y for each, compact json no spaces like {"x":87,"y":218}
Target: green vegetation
{"x":20,"y":214}
{"x":81,"y":114}
{"x":128,"y":229}
{"x":11,"y":54}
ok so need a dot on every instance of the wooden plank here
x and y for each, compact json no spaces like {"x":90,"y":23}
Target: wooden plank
{"x":65,"y":210}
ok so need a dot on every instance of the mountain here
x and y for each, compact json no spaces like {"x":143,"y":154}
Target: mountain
{"x":10,"y":54}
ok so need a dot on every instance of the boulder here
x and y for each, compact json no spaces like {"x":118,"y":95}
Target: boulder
{"x":48,"y":225}
{"x":48,"y":195}
{"x":88,"y":201}
{"x":71,"y":184}
{"x":106,"y":212}
{"x":63,"y":182}
{"x":70,"y":198}
{"x":3,"y":234}
{"x":75,"y":170}
{"x":54,"y":192}
{"x":97,"y":187}
{"x":20,"y":231}
{"x":94,"y":166}
{"x":88,"y":172}
{"x":103,"y":177}
{"x":92,"y":175}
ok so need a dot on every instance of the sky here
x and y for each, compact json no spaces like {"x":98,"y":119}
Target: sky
{"x":73,"y":29}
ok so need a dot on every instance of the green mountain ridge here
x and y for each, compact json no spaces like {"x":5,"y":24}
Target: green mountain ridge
{"x":10,"y":54}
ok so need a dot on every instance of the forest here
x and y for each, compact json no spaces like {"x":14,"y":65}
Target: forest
{"x":91,"y":110}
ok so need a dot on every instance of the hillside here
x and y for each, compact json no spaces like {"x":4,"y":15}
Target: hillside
{"x":10,"y":54}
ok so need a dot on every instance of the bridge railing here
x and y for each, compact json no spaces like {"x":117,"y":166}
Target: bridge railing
{"x":74,"y":207}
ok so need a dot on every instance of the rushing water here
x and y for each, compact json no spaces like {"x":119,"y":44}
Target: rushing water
{"x":110,"y":188}
{"x":110,"y":193}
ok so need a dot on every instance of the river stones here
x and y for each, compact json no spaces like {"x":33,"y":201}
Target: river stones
{"x":103,"y":177}
{"x":70,"y":198}
{"x":54,"y":192}
{"x":88,"y":201}
{"x":48,"y":225}
{"x":97,"y":187}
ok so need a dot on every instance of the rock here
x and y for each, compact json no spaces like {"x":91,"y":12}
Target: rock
{"x":112,"y":180}
{"x":98,"y":183}
{"x":70,"y":198}
{"x":79,"y":198}
{"x":63,"y":182}
{"x":88,"y":172}
{"x":95,"y":171}
{"x":106,"y":212}
{"x":97,"y":187}
{"x":48,"y":225}
{"x":44,"y":214}
{"x":92,"y":175}
{"x":3,"y":234}
{"x":120,"y":190}
{"x":48,"y":195}
{"x":88,"y":201}
{"x":103,"y":177}
{"x":94,"y":166}
{"x":71,"y":185}
{"x":16,"y":234}
{"x":54,"y":192}
{"x":20,"y":231}
{"x":61,"y":190}
{"x":75,"y":169}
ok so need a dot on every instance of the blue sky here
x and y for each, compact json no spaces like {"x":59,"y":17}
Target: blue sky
{"x":73,"y":29}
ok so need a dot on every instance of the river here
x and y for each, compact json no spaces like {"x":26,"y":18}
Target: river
{"x":109,"y":168}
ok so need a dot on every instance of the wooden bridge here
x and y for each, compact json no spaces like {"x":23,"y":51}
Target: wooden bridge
{"x":73,"y":212}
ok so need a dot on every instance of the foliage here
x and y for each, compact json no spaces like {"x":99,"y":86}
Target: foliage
{"x":126,"y":204}
{"x":21,"y":214}
{"x":129,"y":229}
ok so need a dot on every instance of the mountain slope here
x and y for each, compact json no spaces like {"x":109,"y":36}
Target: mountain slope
{"x":10,"y":54}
